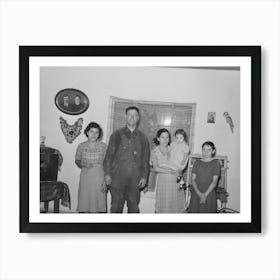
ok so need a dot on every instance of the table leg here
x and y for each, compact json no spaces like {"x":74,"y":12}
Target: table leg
{"x":56,"y":206}
{"x":46,"y":206}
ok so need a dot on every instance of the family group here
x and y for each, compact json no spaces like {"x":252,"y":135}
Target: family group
{"x":123,"y":169}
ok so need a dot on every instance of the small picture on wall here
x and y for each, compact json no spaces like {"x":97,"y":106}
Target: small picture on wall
{"x":211,"y":118}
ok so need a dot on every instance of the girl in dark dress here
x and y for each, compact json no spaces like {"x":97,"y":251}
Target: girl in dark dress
{"x":205,"y":175}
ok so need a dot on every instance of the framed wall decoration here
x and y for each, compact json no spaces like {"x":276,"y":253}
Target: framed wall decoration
{"x":174,"y":87}
{"x":211,"y":117}
{"x":71,"y":101}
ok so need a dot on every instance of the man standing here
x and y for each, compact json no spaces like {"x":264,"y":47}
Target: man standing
{"x":126,"y":164}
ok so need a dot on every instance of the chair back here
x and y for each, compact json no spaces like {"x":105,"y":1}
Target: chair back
{"x":48,"y":164}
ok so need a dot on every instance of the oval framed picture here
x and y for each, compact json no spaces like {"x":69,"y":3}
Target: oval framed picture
{"x":71,"y":101}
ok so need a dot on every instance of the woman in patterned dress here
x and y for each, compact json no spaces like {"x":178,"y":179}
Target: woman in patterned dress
{"x":169,"y":197}
{"x":92,"y":197}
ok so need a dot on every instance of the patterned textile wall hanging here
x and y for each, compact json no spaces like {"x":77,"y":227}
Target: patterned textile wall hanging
{"x":154,"y":115}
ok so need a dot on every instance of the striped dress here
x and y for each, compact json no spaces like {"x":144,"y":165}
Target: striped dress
{"x":90,"y":196}
{"x":169,"y":198}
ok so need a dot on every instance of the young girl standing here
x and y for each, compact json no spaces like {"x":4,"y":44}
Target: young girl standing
{"x":205,"y":175}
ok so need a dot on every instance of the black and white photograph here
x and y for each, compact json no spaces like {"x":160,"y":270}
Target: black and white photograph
{"x":139,"y":144}
{"x":108,"y":159}
{"x":211,"y":116}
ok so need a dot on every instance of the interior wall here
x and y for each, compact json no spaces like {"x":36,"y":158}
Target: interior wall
{"x":212,"y":90}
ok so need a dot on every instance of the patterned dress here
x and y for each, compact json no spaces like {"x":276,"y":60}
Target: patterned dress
{"x":204,"y":175}
{"x":90,"y":195}
{"x":169,"y":198}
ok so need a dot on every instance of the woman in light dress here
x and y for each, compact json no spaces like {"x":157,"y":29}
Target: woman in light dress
{"x":92,"y":195}
{"x":170,"y":198}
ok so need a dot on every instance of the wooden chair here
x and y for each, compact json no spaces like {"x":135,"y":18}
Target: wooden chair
{"x":50,"y":188}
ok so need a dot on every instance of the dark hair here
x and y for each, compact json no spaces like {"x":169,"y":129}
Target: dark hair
{"x":183,"y":133}
{"x":159,"y":132}
{"x":210,"y":144}
{"x":132,"y":108}
{"x":94,"y":125}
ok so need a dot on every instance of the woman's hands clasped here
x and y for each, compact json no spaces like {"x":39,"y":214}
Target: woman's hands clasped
{"x":203,"y":198}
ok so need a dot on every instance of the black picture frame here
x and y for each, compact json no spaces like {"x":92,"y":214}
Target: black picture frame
{"x":253,"y":52}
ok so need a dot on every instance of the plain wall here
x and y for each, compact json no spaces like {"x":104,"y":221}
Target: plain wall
{"x":211,"y":90}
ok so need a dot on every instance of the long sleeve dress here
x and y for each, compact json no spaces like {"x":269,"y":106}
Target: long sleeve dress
{"x":169,"y":197}
{"x":204,"y":175}
{"x":90,"y":195}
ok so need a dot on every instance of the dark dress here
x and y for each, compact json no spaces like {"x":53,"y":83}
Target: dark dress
{"x":204,"y":175}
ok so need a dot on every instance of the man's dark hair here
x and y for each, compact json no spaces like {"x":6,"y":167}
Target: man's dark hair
{"x":132,"y":108}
